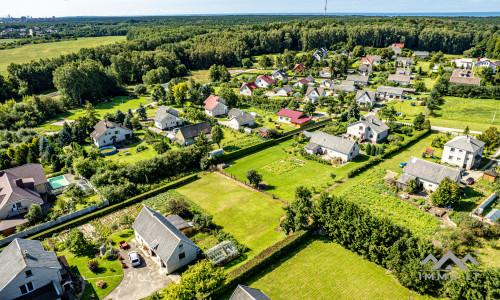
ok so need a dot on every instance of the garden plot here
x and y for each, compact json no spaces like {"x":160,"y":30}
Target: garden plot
{"x":283,"y":165}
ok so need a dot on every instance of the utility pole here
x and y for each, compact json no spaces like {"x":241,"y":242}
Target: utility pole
{"x":326,"y":4}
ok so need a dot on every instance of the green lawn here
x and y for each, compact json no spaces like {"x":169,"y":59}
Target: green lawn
{"x":249,"y":216}
{"x":92,"y":291}
{"x":134,"y":155}
{"x":284,"y":185}
{"x":456,"y":112}
{"x":325,"y":270}
{"x":30,"y":52}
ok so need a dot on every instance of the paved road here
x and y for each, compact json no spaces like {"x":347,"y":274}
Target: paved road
{"x":149,"y":104}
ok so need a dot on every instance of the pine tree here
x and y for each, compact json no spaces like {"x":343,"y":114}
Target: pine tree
{"x":31,"y":157}
{"x":127,"y":123}
{"x":130,"y":114}
{"x":77,"y":134}
{"x":63,"y":138}
{"x":119,"y":116}
{"x":43,"y":145}
{"x":368,"y":149}
{"x":217,"y":135}
{"x":141,"y":112}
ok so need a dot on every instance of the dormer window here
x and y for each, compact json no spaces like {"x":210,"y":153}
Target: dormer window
{"x":29,"y":273}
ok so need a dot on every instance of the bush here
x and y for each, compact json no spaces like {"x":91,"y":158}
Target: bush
{"x":109,"y":255}
{"x":178,"y":206}
{"x":101,"y":284}
{"x":93,"y":265}
{"x":141,"y":148}
{"x":202,"y":220}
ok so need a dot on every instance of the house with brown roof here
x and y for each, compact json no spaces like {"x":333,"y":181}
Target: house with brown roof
{"x":325,"y":73}
{"x":247,"y":88}
{"x":464,"y":76}
{"x":20,"y":187}
{"x":293,"y":117}
{"x":107,"y":133}
{"x":314,"y":93}
{"x":186,"y":135}
{"x":215,"y":106}
{"x":299,"y":68}
{"x":365,"y":69}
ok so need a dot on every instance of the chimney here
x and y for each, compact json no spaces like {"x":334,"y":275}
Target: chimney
{"x":468,"y":138}
{"x":371,"y":120}
{"x":19,"y":183}
{"x":25,"y":253}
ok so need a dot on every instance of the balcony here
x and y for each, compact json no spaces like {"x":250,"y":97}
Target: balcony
{"x":20,"y":210}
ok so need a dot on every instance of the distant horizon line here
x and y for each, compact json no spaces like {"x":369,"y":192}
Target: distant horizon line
{"x":381,"y":14}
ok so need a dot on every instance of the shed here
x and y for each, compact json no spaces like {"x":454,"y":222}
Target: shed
{"x":401,"y":183}
{"x":490,"y":175}
{"x":307,"y":134}
{"x":247,"y":130}
{"x":493,"y":215}
{"x":215,"y":153}
{"x":180,"y":223}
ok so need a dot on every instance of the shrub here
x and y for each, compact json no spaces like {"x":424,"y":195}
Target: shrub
{"x":109,"y":255}
{"x":141,"y":148}
{"x":93,"y":265}
{"x":178,"y":206}
{"x":202,"y":220}
{"x":101,"y":284}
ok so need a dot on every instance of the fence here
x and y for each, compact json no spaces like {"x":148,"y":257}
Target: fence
{"x":52,"y":223}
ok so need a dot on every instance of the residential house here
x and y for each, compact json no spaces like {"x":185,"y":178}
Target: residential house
{"x":371,"y":60}
{"x":318,"y":55}
{"x":427,"y":174}
{"x":234,"y":112}
{"x":327,"y":84}
{"x":421,"y":54}
{"x":264,"y":81}
{"x":293,"y":117}
{"x":332,"y":146}
{"x":245,"y":120}
{"x":215,"y":106}
{"x":325,"y":73}
{"x":311,"y":79}
{"x":397,"y":48}
{"x":346,"y":53}
{"x":347,"y":86}
{"x":27,"y":271}
{"x":403,"y":71}
{"x":404,"y":61}
{"x":399,"y":79}
{"x":167,"y":117}
{"x":464,"y":76}
{"x":299,"y":84}
{"x":286,"y":91}
{"x":247,"y":88}
{"x":314,"y":93}
{"x":366,"y":98}
{"x":299,"y":68}
{"x":247,"y":293}
{"x":462,"y":63}
{"x":108,"y":133}
{"x":365,"y":69}
{"x":20,"y":187}
{"x":358,"y":79}
{"x":369,"y":128}
{"x":463,"y":151}
{"x":484,"y":62}
{"x":167,"y":245}
{"x":279,"y":75}
{"x":389,"y":92}
{"x":187,"y":134}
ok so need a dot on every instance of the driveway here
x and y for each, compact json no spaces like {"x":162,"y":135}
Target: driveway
{"x":138,"y":282}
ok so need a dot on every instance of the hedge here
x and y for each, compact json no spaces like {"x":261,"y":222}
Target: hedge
{"x":261,"y":261}
{"x":112,"y":208}
{"x":56,"y":174}
{"x":375,"y":160}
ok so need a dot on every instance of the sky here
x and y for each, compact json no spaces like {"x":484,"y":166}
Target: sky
{"x":60,"y":8}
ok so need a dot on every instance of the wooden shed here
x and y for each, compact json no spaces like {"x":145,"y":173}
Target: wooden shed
{"x":490,"y":175}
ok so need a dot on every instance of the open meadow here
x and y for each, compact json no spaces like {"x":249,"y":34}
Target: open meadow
{"x":30,"y":52}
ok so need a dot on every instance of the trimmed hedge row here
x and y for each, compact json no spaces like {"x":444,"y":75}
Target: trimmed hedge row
{"x":112,"y":208}
{"x":375,"y":160}
{"x":244,"y":151}
{"x":56,"y":174}
{"x":261,"y":261}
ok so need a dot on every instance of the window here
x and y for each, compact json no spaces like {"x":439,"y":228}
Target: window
{"x":451,"y":157}
{"x":182,"y":255}
{"x":459,"y":159}
{"x":452,"y":150}
{"x":118,"y":131}
{"x":29,"y":273}
{"x":26,"y":288}
{"x":460,"y":151}
{"x":180,"y":246}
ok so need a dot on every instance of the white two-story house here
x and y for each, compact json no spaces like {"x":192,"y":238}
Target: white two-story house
{"x":167,"y":117}
{"x":314,"y":93}
{"x":215,"y":106}
{"x":369,"y":128}
{"x":463,"y":151}
{"x":108,"y":133}
{"x":332,"y":146}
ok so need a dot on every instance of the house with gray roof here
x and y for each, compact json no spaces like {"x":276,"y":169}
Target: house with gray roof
{"x":20,"y":187}
{"x":234,"y":112}
{"x":107,"y":133}
{"x":365,"y":98}
{"x":369,"y":128}
{"x":365,"y":69}
{"x":347,"y":86}
{"x":390,"y":92}
{"x":244,"y":120}
{"x":314,"y":93}
{"x":421,"y":54}
{"x":243,"y":292}
{"x":27,"y":271}
{"x":187,"y":134}
{"x":167,"y":117}
{"x":403,"y":71}
{"x":399,"y":79}
{"x":404,"y":61}
{"x":359,"y":79}
{"x":332,"y":146}
{"x":279,"y":75}
{"x":463,"y":151}
{"x":166,"y":245}
{"x":327,"y":84}
{"x":427,"y":174}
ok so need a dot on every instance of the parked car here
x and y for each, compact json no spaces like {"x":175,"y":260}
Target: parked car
{"x":403,"y":164}
{"x":135,"y":260}
{"x":470,"y":180}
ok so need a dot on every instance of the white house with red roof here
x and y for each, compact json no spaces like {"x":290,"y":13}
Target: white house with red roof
{"x":397,"y":48}
{"x":325,"y":73}
{"x":293,"y":117}
{"x":264,"y":81}
{"x":247,"y":88}
{"x":299,"y":84}
{"x":371,"y":60}
{"x":215,"y":106}
{"x":484,"y":62}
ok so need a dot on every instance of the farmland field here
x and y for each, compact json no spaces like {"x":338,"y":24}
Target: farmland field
{"x":325,"y":270}
{"x":31,"y":52}
{"x":249,"y":216}
{"x":283,"y":186}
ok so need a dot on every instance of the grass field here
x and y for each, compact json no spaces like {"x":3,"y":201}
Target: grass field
{"x":31,"y":52}
{"x":325,"y":270}
{"x":3,"y":41}
{"x":456,"y":112}
{"x":284,"y":185}
{"x":249,"y":216}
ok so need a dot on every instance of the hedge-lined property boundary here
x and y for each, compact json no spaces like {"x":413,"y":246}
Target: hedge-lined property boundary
{"x":377,"y":159}
{"x":112,"y":208}
{"x":261,"y":261}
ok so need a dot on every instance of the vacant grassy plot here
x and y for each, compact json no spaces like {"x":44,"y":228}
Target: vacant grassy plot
{"x":325,"y":270}
{"x":284,"y":185}
{"x":200,"y":76}
{"x":31,"y":52}
{"x":249,"y":216}
{"x":456,"y":112}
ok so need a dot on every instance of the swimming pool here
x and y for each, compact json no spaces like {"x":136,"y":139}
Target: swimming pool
{"x":58,"y":182}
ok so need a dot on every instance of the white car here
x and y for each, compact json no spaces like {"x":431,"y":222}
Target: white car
{"x":135,"y":260}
